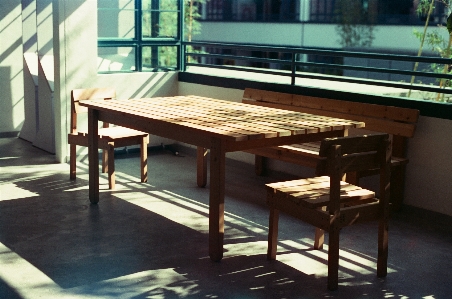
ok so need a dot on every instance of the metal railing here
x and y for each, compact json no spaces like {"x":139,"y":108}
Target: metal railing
{"x":388,"y":70}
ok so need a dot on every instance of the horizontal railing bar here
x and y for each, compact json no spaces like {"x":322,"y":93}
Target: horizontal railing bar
{"x":325,"y":52}
{"x":242,"y":69}
{"x":399,"y":85}
{"x":324,"y":65}
{"x":406,"y":86}
{"x":145,"y":42}
{"x":377,"y":70}
{"x":248,"y":58}
{"x":293,"y":64}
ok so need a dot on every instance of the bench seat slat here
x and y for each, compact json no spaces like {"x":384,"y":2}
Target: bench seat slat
{"x":309,"y":150}
{"x":314,"y":192}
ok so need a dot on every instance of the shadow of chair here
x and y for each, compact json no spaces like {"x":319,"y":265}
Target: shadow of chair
{"x":109,"y":137}
{"x":329,"y":203}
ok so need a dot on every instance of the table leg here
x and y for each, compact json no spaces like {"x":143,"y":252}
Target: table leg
{"x":216,"y":201}
{"x":201,"y":166}
{"x":93,"y":155}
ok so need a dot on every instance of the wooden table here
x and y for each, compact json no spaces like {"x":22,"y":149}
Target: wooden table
{"x":217,"y":125}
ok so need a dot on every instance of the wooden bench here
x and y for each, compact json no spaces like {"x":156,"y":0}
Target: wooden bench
{"x":400,"y":123}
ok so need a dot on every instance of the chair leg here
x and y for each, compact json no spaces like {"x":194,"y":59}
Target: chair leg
{"x":111,"y":166}
{"x":272,"y":234}
{"x":72,"y":161}
{"x":319,"y":238}
{"x":333,"y":258}
{"x":104,"y":161}
{"x":144,"y":160}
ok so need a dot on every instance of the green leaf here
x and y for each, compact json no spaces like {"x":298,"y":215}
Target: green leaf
{"x":449,"y":23}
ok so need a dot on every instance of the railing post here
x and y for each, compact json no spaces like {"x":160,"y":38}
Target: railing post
{"x":293,"y":68}
{"x":183,"y":56}
{"x":183,"y":46}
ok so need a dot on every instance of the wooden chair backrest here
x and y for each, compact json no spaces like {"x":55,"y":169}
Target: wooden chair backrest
{"x":354,"y":153}
{"x":379,"y":118}
{"x":78,"y":95}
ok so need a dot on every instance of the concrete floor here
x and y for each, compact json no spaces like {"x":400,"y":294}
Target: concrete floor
{"x":150,"y":240}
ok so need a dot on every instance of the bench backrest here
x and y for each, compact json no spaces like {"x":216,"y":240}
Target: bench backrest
{"x":379,"y":118}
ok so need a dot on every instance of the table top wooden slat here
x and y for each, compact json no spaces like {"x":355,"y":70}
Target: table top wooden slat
{"x":227,"y":119}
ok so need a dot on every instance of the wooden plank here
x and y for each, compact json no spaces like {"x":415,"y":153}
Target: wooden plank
{"x":216,"y":199}
{"x":314,"y":192}
{"x":268,"y":142}
{"x":93,"y":159}
{"x":356,"y":108}
{"x":314,"y":217}
{"x":293,"y":183}
{"x":371,"y":123}
{"x":308,"y":148}
{"x":359,"y":213}
{"x":307,"y":160}
{"x":201,"y":166}
{"x":236,"y":120}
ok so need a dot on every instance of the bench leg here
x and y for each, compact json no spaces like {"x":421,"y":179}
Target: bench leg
{"x":352,"y":178}
{"x":397,"y":187}
{"x":260,"y":165}
{"x":382,"y":260}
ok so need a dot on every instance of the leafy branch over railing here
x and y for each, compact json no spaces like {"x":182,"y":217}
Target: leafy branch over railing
{"x":436,"y":41}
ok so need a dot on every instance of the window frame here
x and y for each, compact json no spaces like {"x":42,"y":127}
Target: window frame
{"x":138,"y":42}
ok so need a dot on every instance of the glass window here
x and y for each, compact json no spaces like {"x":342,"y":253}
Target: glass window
{"x":161,"y":58}
{"x":116,"y":19}
{"x":160,"y":18}
{"x":253,"y":10}
{"x":138,"y":35}
{"x":385,"y":12}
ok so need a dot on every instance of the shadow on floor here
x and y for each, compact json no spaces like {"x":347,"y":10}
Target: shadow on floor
{"x":150,"y":240}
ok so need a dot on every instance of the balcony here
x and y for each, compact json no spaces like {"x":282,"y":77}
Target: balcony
{"x":150,"y":240}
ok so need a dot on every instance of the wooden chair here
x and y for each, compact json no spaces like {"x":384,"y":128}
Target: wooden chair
{"x":329,"y":203}
{"x":109,"y":137}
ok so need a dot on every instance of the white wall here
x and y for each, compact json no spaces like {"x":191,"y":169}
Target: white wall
{"x":430,"y":168}
{"x":11,"y":67}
